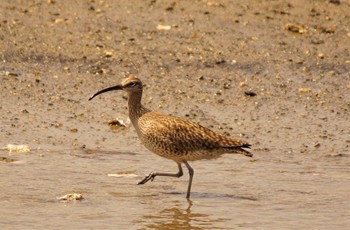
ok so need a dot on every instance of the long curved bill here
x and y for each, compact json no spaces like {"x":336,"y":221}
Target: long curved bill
{"x":117,"y":87}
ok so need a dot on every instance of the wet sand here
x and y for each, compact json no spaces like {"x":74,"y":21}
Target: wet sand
{"x":201,"y":64}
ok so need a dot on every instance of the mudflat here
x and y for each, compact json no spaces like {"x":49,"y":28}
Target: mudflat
{"x":274,"y":73}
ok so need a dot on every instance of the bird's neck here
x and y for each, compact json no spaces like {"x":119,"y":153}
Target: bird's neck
{"x":136,"y":109}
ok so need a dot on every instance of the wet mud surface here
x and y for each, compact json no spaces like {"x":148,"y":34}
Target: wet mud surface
{"x":271,"y":72}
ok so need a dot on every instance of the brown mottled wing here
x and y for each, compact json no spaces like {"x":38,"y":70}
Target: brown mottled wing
{"x":183,"y":135}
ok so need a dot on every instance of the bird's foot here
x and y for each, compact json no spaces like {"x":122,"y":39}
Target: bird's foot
{"x":150,"y":177}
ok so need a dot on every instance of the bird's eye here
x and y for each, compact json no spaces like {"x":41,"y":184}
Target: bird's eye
{"x":131,"y":84}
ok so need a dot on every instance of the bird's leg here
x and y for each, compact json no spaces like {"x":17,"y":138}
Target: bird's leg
{"x":152,"y":175}
{"x":191,"y":172}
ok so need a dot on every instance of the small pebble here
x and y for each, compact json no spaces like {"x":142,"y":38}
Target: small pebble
{"x":71,"y":196}
{"x":250,"y":93}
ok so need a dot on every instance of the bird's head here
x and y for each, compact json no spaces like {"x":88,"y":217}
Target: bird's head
{"x":130,"y":85}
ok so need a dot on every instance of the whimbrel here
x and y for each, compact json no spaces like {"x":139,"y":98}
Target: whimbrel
{"x":173,"y":137}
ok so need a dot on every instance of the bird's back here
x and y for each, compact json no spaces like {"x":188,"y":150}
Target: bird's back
{"x":179,"y":139}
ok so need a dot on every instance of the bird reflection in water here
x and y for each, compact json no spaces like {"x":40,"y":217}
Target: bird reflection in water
{"x":178,"y":218}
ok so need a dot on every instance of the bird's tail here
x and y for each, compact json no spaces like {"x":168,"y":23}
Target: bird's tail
{"x":241,"y":150}
{"x":245,"y":152}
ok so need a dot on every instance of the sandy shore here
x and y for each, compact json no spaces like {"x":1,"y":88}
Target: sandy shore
{"x":273,"y":73}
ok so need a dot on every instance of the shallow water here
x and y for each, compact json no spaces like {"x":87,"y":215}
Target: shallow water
{"x":54,"y":56}
{"x":266,"y":192}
